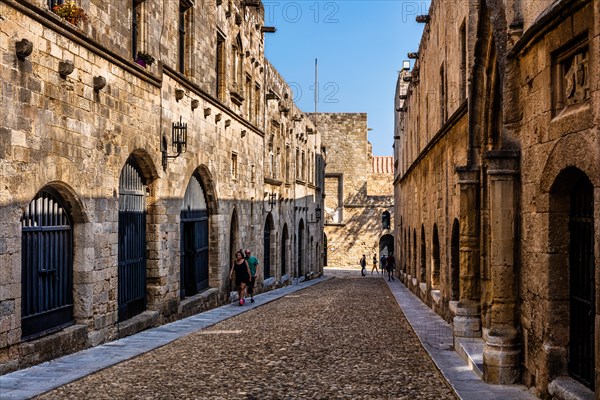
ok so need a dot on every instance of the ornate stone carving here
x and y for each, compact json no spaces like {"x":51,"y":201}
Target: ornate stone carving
{"x":571,"y":78}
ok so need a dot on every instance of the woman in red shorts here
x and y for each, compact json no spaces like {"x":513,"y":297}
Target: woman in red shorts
{"x":242,"y":275}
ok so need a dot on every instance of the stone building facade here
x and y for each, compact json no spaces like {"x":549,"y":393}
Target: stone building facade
{"x":497,"y":185}
{"x":358,"y":192}
{"x":125,"y":189}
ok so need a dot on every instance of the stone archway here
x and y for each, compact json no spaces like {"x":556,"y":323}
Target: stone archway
{"x":572,"y":217}
{"x":386,"y":245}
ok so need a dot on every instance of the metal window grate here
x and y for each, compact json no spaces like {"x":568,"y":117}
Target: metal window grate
{"x":46,"y":265}
{"x":132,"y":242}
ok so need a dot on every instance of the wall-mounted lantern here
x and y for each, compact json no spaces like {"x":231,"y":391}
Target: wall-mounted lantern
{"x":178,"y":142}
{"x":270,"y":202}
{"x":317,"y":216}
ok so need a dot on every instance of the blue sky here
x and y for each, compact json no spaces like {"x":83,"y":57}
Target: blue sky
{"x":360,"y":46}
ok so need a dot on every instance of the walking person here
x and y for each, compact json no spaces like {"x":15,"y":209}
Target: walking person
{"x":383,"y":264}
{"x":363,"y":265}
{"x":242,"y":275}
{"x":253,"y":266}
{"x":374,"y":265}
{"x":391,"y":266}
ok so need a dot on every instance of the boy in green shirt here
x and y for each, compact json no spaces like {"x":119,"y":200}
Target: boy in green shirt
{"x":253,"y":264}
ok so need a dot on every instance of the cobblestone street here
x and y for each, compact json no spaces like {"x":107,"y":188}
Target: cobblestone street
{"x":343,"y":338}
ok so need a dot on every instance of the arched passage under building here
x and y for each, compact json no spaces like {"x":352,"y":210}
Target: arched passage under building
{"x":386,"y":245}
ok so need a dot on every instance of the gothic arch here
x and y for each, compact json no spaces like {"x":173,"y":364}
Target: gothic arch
{"x":586,"y":161}
{"x":208,"y":184}
{"x":146,"y":165}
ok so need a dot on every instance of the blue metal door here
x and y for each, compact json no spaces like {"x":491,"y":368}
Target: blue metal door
{"x":194,"y":240}
{"x":132,"y":242}
{"x":582,"y":276}
{"x":46,"y":266}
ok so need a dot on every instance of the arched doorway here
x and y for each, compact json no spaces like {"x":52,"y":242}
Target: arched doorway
{"x":233,"y":239}
{"x":132,"y":241}
{"x":386,"y":245}
{"x":284,"y":249}
{"x":423,"y":266}
{"x":300,"y":267}
{"x":46,"y":264}
{"x":581,"y":278}
{"x":435,"y":258}
{"x":267,"y":246}
{"x":194,"y":239}
{"x":455,"y":261}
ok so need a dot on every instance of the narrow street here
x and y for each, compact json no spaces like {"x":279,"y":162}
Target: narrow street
{"x":342,"y":338}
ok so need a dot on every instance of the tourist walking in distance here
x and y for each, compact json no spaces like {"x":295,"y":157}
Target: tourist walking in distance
{"x":383,"y":264}
{"x":242,"y":275}
{"x":363,"y":265}
{"x":391,"y":265}
{"x":253,"y":266}
{"x":374,"y":264}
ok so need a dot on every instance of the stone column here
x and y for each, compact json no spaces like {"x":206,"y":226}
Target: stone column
{"x":467,"y":319}
{"x":502,"y":352}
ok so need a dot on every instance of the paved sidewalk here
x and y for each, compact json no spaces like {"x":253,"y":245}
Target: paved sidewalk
{"x":30,"y":382}
{"x":436,"y":336}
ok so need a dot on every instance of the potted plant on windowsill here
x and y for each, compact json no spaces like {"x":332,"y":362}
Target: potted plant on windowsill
{"x":71,"y":12}
{"x":144,"y":59}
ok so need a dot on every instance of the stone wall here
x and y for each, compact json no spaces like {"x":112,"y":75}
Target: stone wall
{"x":356,"y":194}
{"x":70,"y":136}
{"x":489,"y":169}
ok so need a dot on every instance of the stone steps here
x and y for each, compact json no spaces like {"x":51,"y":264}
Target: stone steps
{"x":471,"y":351}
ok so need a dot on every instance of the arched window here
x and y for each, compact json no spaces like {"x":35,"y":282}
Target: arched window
{"x":385,"y":220}
{"x":46,"y":265}
{"x":132,"y":241}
